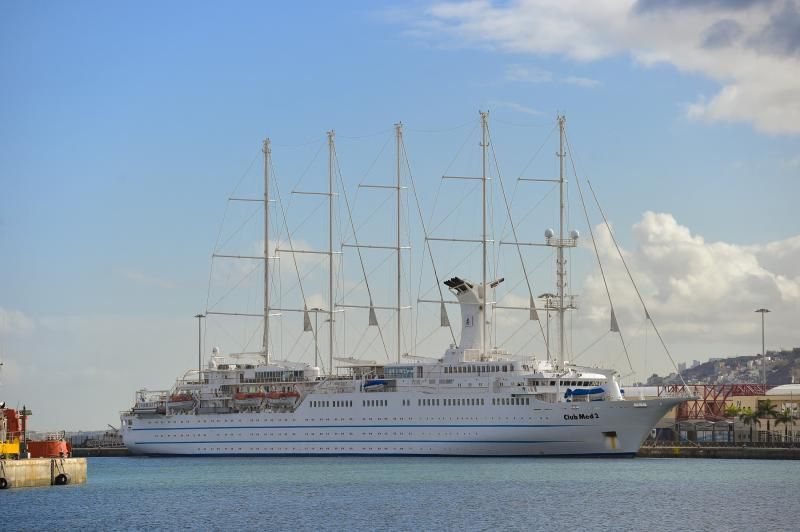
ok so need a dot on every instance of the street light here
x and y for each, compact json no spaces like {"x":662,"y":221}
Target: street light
{"x":199,"y":345}
{"x":763,"y":311}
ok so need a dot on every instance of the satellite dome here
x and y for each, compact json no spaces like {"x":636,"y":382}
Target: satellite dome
{"x":549,"y":233}
{"x":215,"y":351}
{"x":574,"y":234}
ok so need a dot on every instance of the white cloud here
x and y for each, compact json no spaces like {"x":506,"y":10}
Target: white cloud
{"x":752,"y":49}
{"x":527,"y":74}
{"x":536,"y":75}
{"x":14,"y":322}
{"x":516,"y":107}
{"x":581,"y":82}
{"x":699,"y":292}
{"x":147,"y":280}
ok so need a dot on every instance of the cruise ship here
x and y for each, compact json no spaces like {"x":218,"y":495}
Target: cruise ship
{"x":469,"y":400}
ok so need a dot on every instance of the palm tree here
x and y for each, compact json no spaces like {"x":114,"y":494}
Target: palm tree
{"x":750,"y":418}
{"x":767,"y":409}
{"x":786,"y":418}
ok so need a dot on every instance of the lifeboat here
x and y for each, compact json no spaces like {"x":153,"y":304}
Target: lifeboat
{"x":283,"y":399}
{"x":180,"y":401}
{"x":149,"y":407}
{"x":375,"y":385}
{"x":249,"y":399}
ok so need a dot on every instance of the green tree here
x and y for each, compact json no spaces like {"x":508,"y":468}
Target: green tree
{"x":786,"y":418}
{"x":749,"y":418}
{"x":732,"y":411}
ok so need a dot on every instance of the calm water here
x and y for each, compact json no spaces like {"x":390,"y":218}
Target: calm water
{"x":371,"y":493}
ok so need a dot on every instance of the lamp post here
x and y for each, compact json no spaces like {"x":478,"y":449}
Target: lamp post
{"x":763,"y":311}
{"x":199,"y":345}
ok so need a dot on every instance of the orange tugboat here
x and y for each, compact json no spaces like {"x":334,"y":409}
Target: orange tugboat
{"x":14,"y":442}
{"x":26,"y":463}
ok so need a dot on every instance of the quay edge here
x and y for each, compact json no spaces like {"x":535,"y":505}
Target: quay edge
{"x":759,"y":453}
{"x":35,"y":472}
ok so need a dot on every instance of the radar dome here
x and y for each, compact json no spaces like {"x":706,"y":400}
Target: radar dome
{"x":549,"y":233}
{"x":574,"y":234}
{"x":215,"y":351}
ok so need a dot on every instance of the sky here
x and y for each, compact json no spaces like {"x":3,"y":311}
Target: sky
{"x":125,"y":127}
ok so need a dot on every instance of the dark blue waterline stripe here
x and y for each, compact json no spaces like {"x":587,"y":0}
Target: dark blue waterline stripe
{"x":375,"y":442}
{"x":246,"y":454}
{"x":284,"y":427}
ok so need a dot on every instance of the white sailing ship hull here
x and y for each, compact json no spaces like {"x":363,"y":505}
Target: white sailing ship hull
{"x":538,"y":429}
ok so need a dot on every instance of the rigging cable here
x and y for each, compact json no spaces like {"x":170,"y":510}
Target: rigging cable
{"x":358,"y":248}
{"x":222,"y":224}
{"x":597,"y":254}
{"x":630,"y":276}
{"x":635,"y":287}
{"x":516,"y":240}
{"x":294,"y":261}
{"x":425,"y":234}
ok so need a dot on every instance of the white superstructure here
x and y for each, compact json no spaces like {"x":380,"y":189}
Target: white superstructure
{"x":472,"y":400}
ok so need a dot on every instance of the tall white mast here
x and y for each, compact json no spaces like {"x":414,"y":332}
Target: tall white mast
{"x":330,"y":250}
{"x":265,"y":341}
{"x":399,"y":134}
{"x":561,"y":266}
{"x":484,"y":145}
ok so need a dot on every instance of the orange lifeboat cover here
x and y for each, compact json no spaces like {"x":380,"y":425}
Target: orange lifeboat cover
{"x":49,"y":449}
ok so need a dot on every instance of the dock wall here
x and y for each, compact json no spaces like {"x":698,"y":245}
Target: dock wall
{"x":42,"y":471}
{"x":761,"y":453}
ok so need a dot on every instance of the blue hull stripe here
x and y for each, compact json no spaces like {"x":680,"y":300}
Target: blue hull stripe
{"x":389,"y":454}
{"x":376,"y":442}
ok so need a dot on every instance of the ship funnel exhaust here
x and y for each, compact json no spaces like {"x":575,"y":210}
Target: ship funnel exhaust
{"x":471,"y":298}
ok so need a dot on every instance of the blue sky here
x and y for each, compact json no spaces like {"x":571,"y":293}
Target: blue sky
{"x":126,"y":125}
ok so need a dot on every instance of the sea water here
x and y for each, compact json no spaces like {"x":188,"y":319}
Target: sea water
{"x":415,"y":493}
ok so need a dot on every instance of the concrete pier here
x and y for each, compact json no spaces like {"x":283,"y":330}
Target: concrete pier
{"x":42,"y":472}
{"x":760,"y":453}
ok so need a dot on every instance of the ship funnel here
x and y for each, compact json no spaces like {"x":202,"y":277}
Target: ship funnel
{"x":471,"y":298}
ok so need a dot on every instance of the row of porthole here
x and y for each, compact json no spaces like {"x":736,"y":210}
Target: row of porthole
{"x":328,"y":434}
{"x":540,"y":418}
